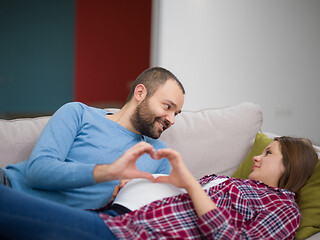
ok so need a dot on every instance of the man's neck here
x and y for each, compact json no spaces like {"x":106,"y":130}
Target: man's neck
{"x":123,"y":116}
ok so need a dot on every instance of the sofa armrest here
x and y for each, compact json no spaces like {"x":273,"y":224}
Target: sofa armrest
{"x":17,"y":138}
{"x":315,"y":237}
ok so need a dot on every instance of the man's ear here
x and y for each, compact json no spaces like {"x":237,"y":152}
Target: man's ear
{"x":140,"y":93}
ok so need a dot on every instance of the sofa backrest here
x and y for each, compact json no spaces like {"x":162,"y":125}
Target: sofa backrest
{"x":215,"y":140}
{"x":210,"y":140}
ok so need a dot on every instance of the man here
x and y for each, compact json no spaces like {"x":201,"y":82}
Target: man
{"x":70,"y":161}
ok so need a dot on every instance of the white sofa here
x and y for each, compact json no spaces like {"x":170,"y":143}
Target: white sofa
{"x":210,"y":140}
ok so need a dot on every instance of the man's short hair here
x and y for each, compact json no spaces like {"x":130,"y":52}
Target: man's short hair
{"x":152,"y":79}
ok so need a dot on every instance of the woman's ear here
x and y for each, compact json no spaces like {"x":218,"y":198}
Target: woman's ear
{"x":140,"y":93}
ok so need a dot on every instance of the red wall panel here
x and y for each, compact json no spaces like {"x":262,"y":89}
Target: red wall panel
{"x":112,"y":47}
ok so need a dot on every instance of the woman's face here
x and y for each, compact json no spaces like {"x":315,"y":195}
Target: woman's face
{"x":268,"y":167}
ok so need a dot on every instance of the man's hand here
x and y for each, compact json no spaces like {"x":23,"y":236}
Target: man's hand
{"x":118,"y":188}
{"x":125,"y":166}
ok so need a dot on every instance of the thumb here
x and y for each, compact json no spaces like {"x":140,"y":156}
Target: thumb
{"x":145,"y":175}
{"x":161,"y":179}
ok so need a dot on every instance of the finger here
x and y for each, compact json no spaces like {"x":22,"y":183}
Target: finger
{"x":167,"y":153}
{"x":161,"y":179}
{"x":164,"y":152}
{"x":115,"y":191}
{"x":151,"y":152}
{"x":123,"y":182}
{"x":142,"y":148}
{"x":146,"y":175}
{"x":148,"y":148}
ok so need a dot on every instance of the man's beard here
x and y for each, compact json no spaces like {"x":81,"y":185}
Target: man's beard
{"x":145,"y":121}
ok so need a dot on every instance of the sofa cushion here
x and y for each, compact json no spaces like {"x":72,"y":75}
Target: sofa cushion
{"x":17,"y":138}
{"x":214,"y":140}
{"x":309,"y":196}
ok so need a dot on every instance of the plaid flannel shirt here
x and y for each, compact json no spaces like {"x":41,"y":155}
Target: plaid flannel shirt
{"x":247,"y":209}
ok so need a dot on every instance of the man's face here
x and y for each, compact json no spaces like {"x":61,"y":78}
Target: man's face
{"x":157,"y":113}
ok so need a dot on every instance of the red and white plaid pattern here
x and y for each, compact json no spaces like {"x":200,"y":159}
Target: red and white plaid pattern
{"x":246,"y":210}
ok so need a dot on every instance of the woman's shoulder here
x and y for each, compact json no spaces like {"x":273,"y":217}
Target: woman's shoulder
{"x":258,"y":191}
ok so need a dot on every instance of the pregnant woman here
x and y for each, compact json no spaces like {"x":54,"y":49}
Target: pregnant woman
{"x":214,"y":207}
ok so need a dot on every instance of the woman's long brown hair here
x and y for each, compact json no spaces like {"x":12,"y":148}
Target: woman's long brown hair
{"x":299,"y":159}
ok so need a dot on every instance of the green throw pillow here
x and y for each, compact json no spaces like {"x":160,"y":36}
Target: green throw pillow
{"x":310,"y":193}
{"x":310,"y":206}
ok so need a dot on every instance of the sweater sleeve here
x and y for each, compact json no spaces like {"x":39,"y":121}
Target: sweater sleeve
{"x":281,"y":223}
{"x":47,"y":167}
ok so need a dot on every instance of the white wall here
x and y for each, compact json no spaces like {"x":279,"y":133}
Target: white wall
{"x":229,"y":51}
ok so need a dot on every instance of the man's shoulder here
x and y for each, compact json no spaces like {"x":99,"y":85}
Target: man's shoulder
{"x":71,"y":107}
{"x":74,"y":105}
{"x":73,"y":111}
{"x":78,"y":107}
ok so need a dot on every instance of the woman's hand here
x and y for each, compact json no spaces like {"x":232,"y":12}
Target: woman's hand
{"x":181,"y":177}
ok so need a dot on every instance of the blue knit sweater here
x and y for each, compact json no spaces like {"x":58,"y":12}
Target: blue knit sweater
{"x":75,"y":139}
